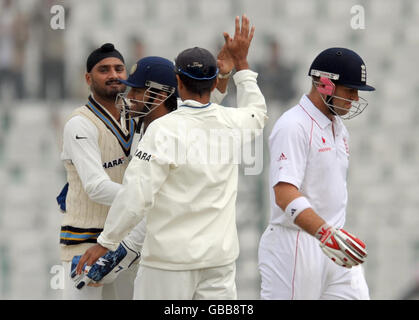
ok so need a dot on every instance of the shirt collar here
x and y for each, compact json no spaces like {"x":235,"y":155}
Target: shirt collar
{"x":314,"y":113}
{"x":194,"y":104}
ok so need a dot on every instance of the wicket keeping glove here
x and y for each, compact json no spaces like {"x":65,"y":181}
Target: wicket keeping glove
{"x":107,"y":268}
{"x":342,"y":247}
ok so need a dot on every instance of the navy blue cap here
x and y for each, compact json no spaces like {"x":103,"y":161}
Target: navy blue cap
{"x":197,"y":63}
{"x":152,"y":69}
{"x":343,"y":66}
{"x":105,"y":51}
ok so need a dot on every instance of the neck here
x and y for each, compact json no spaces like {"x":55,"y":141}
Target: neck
{"x":109,"y":105}
{"x":196,"y":97}
{"x":160,"y":111}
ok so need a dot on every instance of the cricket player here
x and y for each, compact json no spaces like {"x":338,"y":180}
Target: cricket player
{"x":95,"y":154}
{"x":304,"y":253}
{"x":152,"y":94}
{"x":191,"y":241}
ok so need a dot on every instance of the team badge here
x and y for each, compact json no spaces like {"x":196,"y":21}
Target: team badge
{"x":363,"y":73}
{"x":133,"y":68}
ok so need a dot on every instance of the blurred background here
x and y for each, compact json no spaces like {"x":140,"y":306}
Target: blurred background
{"x":42,"y":79}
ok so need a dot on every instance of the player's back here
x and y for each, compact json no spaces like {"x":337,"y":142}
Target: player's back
{"x":192,"y":224}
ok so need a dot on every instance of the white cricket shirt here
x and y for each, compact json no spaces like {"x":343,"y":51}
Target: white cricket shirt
{"x":189,"y":205}
{"x":305,"y":152}
{"x":86,"y":157}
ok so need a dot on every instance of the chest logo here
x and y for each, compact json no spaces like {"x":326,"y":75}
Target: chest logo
{"x":114,"y":163}
{"x":282,"y":157}
{"x":143,"y":155}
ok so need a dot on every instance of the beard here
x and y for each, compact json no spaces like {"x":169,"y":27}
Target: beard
{"x":109,"y":91}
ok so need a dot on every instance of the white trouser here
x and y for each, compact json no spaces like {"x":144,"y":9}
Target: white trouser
{"x":216,"y":283}
{"x":121,"y":289}
{"x":292,"y":266}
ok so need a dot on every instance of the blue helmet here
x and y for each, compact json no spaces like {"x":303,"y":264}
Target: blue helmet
{"x":155,"y":74}
{"x":150,"y":71}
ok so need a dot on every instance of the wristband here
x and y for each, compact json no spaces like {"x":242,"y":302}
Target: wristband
{"x":225,"y":76}
{"x":296,"y":206}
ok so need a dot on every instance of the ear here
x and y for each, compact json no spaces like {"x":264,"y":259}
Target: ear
{"x":326,"y":86}
{"x":179,"y":82}
{"x":88,"y":78}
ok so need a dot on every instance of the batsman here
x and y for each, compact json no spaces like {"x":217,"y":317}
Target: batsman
{"x":305,"y":253}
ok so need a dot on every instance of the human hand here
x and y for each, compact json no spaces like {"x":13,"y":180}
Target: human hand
{"x":238,"y":47}
{"x":107,"y":268}
{"x":342,"y":247}
{"x":90,"y":257}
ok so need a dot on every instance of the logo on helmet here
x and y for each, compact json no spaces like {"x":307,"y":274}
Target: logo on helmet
{"x":133,"y":69}
{"x":363,"y":73}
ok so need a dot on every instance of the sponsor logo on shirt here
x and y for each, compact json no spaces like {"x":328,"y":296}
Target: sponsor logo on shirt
{"x":143,"y":155}
{"x":114,"y":163}
{"x":325,"y":149}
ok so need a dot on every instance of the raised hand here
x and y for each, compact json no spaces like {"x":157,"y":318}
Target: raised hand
{"x":238,"y":46}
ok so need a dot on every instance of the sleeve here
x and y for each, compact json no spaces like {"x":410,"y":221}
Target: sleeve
{"x":289,"y":148}
{"x":80,"y":145}
{"x":135,"y":238}
{"x":143,"y":178}
{"x":251,"y":111}
{"x":218,"y":97}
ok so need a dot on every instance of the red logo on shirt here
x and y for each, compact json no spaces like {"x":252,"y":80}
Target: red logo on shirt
{"x":282,"y":157}
{"x":324,"y":140}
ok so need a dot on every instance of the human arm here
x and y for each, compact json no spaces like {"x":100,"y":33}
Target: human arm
{"x":307,"y":219}
{"x":143,"y":178}
{"x":225,"y":66}
{"x":289,"y":147}
{"x":251,"y":113}
{"x":339,"y":245}
{"x":80,"y":145}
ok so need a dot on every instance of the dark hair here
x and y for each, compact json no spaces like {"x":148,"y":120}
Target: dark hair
{"x":171,"y":103}
{"x":200,"y":87}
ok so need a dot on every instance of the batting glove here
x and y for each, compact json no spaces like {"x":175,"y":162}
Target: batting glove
{"x":107,"y":268}
{"x":342,"y":247}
